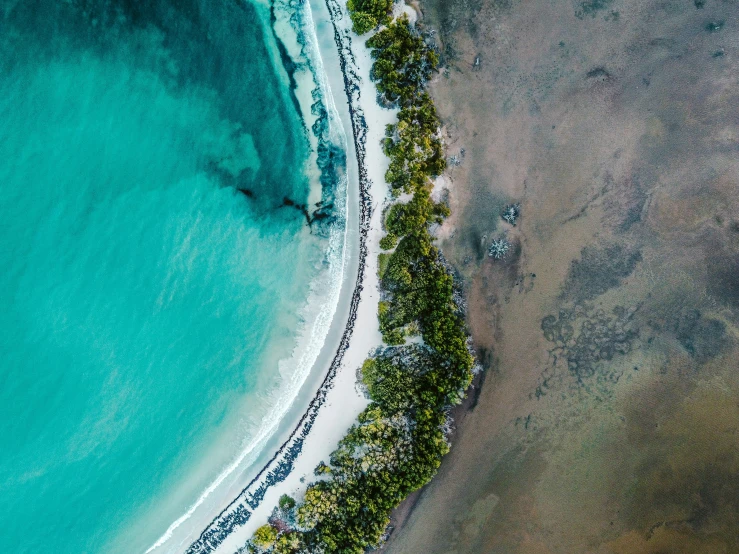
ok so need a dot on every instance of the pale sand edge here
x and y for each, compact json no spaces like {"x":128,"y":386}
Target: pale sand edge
{"x":343,"y":401}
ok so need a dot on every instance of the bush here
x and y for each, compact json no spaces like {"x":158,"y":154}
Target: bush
{"x":389,"y":241}
{"x":289,"y":543}
{"x":382,"y":262}
{"x":265,"y":537}
{"x":397,"y":443}
{"x":368,"y":14}
{"x":363,"y":22}
{"x":286,"y":503}
{"x":403,"y":62}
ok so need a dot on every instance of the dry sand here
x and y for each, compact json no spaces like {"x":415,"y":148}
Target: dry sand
{"x":333,"y":409}
{"x":344,"y":401}
{"x":607,"y":418}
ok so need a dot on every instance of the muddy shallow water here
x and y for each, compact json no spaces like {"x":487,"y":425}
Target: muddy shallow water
{"x":607,"y":419}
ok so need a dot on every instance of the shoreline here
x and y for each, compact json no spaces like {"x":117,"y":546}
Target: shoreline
{"x":323,"y":316}
{"x":298,"y":454}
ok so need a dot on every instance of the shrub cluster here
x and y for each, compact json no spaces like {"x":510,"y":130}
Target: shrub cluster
{"x":368,"y":14}
{"x":403,"y":63}
{"x":397,"y":443}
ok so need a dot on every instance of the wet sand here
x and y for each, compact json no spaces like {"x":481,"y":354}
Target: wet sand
{"x":607,"y":417}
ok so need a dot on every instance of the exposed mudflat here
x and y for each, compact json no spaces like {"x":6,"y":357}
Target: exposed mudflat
{"x":608,"y":415}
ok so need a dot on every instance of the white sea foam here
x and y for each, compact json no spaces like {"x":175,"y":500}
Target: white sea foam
{"x":317,"y":314}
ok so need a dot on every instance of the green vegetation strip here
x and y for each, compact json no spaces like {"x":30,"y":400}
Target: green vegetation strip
{"x":397,"y":444}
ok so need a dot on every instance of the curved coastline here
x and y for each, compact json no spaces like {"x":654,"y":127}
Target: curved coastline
{"x":398,"y":442}
{"x":323,"y":313}
{"x":282,"y":463}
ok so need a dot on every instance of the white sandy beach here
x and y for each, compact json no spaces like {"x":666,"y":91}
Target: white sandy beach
{"x":330,"y":393}
{"x":343,"y":400}
{"x":330,"y":399}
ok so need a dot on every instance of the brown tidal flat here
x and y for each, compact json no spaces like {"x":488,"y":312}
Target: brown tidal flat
{"x":607,"y":417}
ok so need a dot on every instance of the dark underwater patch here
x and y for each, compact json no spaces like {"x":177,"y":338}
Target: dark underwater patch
{"x":591,"y":8}
{"x":703,"y":338}
{"x":598,"y":270}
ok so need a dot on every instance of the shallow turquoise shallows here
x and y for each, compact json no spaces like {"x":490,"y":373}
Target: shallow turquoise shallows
{"x":145,"y":301}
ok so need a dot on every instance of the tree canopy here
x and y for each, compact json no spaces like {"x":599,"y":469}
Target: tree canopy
{"x":368,"y":14}
{"x":397,"y":443}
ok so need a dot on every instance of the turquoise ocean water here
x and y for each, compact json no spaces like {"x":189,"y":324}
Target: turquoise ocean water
{"x":146,"y":302}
